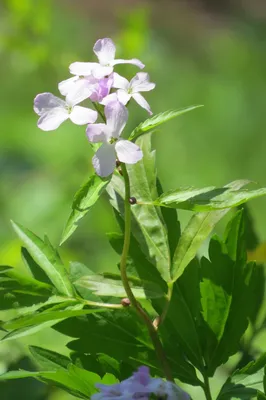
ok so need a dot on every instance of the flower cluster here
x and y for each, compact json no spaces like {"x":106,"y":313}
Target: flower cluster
{"x":96,"y":81}
{"x":141,"y":386}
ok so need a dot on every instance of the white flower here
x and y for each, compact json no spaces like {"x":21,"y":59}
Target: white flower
{"x":53,"y":111}
{"x":105,"y":51}
{"x":126,"y":90}
{"x":104,"y":160}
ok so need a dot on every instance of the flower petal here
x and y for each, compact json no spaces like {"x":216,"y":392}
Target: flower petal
{"x":120,"y":82}
{"x":102,"y":89}
{"x":128,"y":152}
{"x":52,"y":119}
{"x":123,"y":96}
{"x":100,"y":71}
{"x":82,"y":115}
{"x":133,"y":61}
{"x":116,"y":117}
{"x":97,"y":133}
{"x":104,"y":50}
{"x":141,"y":83}
{"x":82,"y":68}
{"x":66,"y":86}
{"x":108,"y":99}
{"x":142,"y":102}
{"x":45,"y":102}
{"x":81,"y":90}
{"x":104,"y":160}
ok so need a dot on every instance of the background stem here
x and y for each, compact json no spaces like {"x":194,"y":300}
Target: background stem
{"x":141,"y":312}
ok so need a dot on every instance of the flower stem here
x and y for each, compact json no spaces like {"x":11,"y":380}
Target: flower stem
{"x":141,"y":312}
{"x":206,"y":388}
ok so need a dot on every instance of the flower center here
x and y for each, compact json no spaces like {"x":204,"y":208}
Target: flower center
{"x":113,"y":140}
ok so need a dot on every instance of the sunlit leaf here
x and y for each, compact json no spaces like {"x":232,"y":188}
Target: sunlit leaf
{"x":84,"y":199}
{"x":196,"y":232}
{"x":47,"y":258}
{"x":207,"y":199}
{"x":159,"y":119}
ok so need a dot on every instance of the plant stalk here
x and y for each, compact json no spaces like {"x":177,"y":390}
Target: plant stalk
{"x":141,"y":312}
{"x":206,"y":388}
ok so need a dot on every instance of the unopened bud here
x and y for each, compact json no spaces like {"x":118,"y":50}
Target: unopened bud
{"x":132,"y":200}
{"x":125,"y":302}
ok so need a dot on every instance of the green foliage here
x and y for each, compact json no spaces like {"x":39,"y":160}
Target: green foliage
{"x":157,"y":120}
{"x":47,"y":258}
{"x":207,"y":199}
{"x":84,"y":199}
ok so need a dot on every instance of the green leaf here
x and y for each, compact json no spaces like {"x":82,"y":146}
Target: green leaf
{"x":45,"y":316}
{"x":196,"y":232}
{"x":120,"y":335}
{"x":148,"y":226}
{"x":111,"y":285}
{"x":244,"y":383}
{"x":261,"y":396}
{"x":226,"y":295}
{"x":48,"y":360}
{"x":75,"y":381}
{"x":47,"y":258}
{"x":159,"y":119}
{"x":35,"y":270}
{"x":181,"y":323}
{"x":84,"y":199}
{"x":207,"y":199}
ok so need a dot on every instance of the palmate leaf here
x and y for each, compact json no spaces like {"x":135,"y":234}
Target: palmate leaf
{"x":226,"y":295}
{"x":148,"y":226}
{"x":74,"y":380}
{"x":84,"y":199}
{"x":195,"y":233}
{"x":207,"y":199}
{"x":151,"y":123}
{"x":47,"y":258}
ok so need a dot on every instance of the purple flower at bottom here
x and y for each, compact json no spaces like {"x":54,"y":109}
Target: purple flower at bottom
{"x":104,"y":160}
{"x":140,"y":386}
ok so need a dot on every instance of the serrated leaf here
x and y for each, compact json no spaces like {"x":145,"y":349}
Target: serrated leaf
{"x":243,"y":384}
{"x":84,"y":199}
{"x":148,"y":226}
{"x":207,"y":199}
{"x":47,"y":258}
{"x":48,"y":360}
{"x":159,"y":119}
{"x":76,"y":381}
{"x":111,"y":285}
{"x":46,"y":316}
{"x":226,"y":295}
{"x":195,"y":233}
{"x":35,"y":270}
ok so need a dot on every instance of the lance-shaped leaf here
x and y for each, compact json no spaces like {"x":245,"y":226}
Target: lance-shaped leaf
{"x":53,"y":316}
{"x":84,"y":199}
{"x":196,"y":232}
{"x":76,"y":381}
{"x":111,"y":285}
{"x":48,"y":360}
{"x":207,"y":199}
{"x":159,"y":119}
{"x":147,"y":223}
{"x":245,"y":383}
{"x":47,"y":258}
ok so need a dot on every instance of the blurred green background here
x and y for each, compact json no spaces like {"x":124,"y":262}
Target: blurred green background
{"x":198,"y":52}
